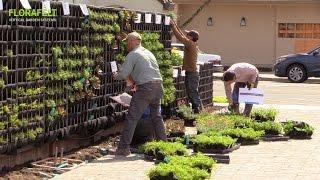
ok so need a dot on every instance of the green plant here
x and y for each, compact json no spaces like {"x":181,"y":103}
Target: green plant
{"x":77,"y":85}
{"x":269,"y":127}
{"x":14,"y":121}
{"x":179,"y":172}
{"x":219,"y":99}
{"x":263,"y":114}
{"x":108,"y":38}
{"x":162,"y":149}
{"x":56,"y":52}
{"x":50,"y":103}
{"x":4,"y":69}
{"x":120,"y":58}
{"x":3,"y":125}
{"x":209,"y":122}
{"x":172,"y":15}
{"x":186,"y":112}
{"x":9,"y":53}
{"x":33,"y":75}
{"x":2,"y":83}
{"x":248,"y":134}
{"x":297,"y":129}
{"x":198,"y":160}
{"x":213,"y":141}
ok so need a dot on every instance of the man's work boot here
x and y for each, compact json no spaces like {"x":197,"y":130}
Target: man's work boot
{"x":235,"y":108}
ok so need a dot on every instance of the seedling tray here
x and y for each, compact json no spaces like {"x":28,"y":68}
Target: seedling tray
{"x":275,"y":138}
{"x":217,"y":151}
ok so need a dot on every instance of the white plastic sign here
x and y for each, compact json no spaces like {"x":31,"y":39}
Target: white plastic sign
{"x":138,"y":18}
{"x":158,"y":19}
{"x":198,"y":68}
{"x":148,"y":18}
{"x":175,"y":73}
{"x":167,"y":20}
{"x":183,"y":73}
{"x":114,"y":67}
{"x":1,"y":5}
{"x":252,"y":96}
{"x":46,"y":6}
{"x":84,"y":9}
{"x":25,"y":4}
{"x":66,"y":8}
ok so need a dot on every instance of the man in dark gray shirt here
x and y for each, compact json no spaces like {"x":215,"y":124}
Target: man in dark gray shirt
{"x":143,"y":68}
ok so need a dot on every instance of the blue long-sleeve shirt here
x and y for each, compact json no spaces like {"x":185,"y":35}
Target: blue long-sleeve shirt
{"x":142,"y":65}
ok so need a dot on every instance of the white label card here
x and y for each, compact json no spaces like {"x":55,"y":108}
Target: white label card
{"x":148,"y":18}
{"x":46,"y":6}
{"x":198,"y":68}
{"x":252,"y":96}
{"x":114,"y":67}
{"x":25,"y":4}
{"x":175,"y":73}
{"x":84,"y":9}
{"x":66,"y":8}
{"x":167,"y":20}
{"x":138,"y":18}
{"x":183,"y":73}
{"x":1,"y":5}
{"x":158,"y":19}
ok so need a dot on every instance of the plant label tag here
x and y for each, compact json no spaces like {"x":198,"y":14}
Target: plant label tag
{"x":148,"y":18}
{"x":158,"y":19}
{"x":46,"y":6}
{"x":175,"y":73}
{"x":138,"y":18}
{"x":183,"y":73}
{"x":25,"y":4}
{"x":66,"y":8}
{"x":114,"y":67}
{"x":1,"y":5}
{"x":252,"y":96}
{"x":167,"y":20}
{"x":198,"y":68}
{"x":84,"y":9}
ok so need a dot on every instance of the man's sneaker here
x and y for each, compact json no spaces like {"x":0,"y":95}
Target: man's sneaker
{"x":120,"y":152}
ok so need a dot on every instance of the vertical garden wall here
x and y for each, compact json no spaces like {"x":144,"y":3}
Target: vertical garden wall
{"x":56,"y":77}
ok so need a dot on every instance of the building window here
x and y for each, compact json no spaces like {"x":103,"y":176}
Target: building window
{"x":299,"y":30}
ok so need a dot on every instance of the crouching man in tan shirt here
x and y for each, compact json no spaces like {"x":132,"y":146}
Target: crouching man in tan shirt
{"x":242,"y":74}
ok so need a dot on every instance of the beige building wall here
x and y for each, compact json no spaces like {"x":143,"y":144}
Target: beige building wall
{"x":258,"y":42}
{"x":294,"y":14}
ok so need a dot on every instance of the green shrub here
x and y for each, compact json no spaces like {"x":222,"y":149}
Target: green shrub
{"x":297,"y":129}
{"x":186,"y":112}
{"x":199,"y":161}
{"x":220,"y":99}
{"x":162,"y":149}
{"x":209,"y":122}
{"x":213,"y":141}
{"x":248,"y":134}
{"x":269,"y":127}
{"x":264,"y":114}
{"x":180,"y":172}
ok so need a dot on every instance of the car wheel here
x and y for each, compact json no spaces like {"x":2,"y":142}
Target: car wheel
{"x":297,"y":73}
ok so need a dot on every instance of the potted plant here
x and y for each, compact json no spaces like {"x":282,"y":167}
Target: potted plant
{"x":263,"y":114}
{"x":214,"y":143}
{"x":297,"y":130}
{"x":2,"y":83}
{"x":187,"y":114}
{"x":95,"y":82}
{"x":160,"y":150}
{"x":246,"y":136}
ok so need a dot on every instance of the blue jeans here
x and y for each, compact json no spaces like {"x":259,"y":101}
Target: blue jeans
{"x":192,"y":84}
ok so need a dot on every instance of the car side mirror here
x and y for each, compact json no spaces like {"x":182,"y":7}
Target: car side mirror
{"x":316,"y":53}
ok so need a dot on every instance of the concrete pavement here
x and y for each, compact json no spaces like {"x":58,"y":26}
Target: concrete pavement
{"x":293,"y":159}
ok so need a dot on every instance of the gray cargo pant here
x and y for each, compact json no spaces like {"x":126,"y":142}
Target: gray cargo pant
{"x":148,"y":94}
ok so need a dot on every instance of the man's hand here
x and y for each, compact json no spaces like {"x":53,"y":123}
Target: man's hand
{"x":172,"y":23}
{"x":122,"y":36}
{"x":250,"y":85}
